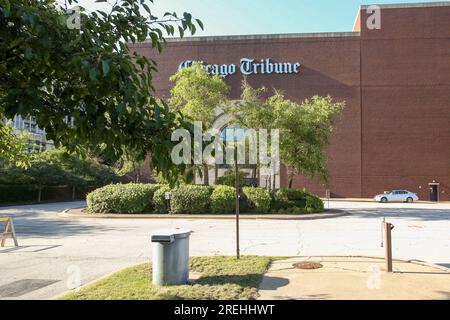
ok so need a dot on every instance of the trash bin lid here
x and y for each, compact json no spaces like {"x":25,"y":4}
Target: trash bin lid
{"x":169,"y":235}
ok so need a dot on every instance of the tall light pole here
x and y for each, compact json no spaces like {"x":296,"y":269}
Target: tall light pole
{"x":236,"y":185}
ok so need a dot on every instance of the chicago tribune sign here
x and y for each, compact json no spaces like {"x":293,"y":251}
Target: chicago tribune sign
{"x":247,"y":67}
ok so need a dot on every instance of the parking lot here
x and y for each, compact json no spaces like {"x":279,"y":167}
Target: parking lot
{"x":66,"y":251}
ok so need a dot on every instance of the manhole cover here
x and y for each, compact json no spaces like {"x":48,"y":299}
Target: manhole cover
{"x":307,"y":265}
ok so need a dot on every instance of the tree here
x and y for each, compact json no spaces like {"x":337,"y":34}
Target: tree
{"x":12,"y":146}
{"x":43,"y":173}
{"x":57,"y":168}
{"x":198,"y":95}
{"x":84,"y":85}
{"x":304,"y":128}
{"x":305,"y":131}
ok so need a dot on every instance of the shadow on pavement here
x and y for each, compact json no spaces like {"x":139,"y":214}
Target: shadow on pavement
{"x":273,"y":283}
{"x":36,"y":226}
{"x":413,"y":214}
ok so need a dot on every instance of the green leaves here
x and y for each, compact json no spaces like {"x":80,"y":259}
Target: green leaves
{"x":12,"y":147}
{"x":305,"y":128}
{"x":197,"y":95}
{"x":85,"y":86}
{"x":28,"y":53}
{"x":200,"y":23}
{"x":105,"y":67}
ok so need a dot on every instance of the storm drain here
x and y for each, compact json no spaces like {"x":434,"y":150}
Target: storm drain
{"x":308,"y":265}
{"x":21,"y":287}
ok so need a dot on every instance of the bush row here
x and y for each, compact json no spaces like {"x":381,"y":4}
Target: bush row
{"x":195,"y":199}
{"x":122,"y":198}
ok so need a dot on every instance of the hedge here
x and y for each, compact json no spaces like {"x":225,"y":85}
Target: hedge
{"x":285,"y":194}
{"x":190,"y":199}
{"x":258,"y":199}
{"x":196,"y":199}
{"x":28,"y":193}
{"x":122,"y":198}
{"x":313,"y":203}
{"x":223,"y":199}
{"x":295,"y":201}
{"x":160,"y":204}
{"x":229,"y":179}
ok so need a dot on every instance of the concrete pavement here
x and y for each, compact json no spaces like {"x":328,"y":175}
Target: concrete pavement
{"x":76,"y":251}
{"x":354,"y":278}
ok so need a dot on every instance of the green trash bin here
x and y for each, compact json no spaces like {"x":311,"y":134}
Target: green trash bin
{"x":170,"y":262}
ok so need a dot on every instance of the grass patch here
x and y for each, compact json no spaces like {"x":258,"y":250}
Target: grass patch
{"x":221,"y":278}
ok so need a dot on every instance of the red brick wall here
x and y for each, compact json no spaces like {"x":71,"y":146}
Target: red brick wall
{"x":395,"y":130}
{"x":406,"y":101}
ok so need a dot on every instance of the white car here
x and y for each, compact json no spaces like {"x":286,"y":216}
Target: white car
{"x":396,"y":196}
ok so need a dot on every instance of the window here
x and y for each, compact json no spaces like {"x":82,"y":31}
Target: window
{"x":232,"y":133}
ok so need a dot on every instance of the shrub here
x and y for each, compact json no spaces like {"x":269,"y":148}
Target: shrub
{"x":122,"y":198}
{"x":258,"y":199}
{"x":229,"y":179}
{"x":18,"y":193}
{"x":160,"y":203}
{"x":313,"y":203}
{"x":295,"y":201}
{"x":286,"y":204}
{"x":223,"y":199}
{"x":190,"y":199}
{"x":289,"y":194}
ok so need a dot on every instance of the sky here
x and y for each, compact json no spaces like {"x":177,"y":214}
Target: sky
{"x":242,"y":17}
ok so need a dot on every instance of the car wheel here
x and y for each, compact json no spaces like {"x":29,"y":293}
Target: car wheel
{"x":409,"y":200}
{"x":384,"y":200}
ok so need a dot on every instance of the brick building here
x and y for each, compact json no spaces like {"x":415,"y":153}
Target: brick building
{"x":395,"y":80}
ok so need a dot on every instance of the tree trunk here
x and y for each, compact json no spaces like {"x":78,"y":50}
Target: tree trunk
{"x":274,"y":182}
{"x":255,"y":182}
{"x":138,"y":176}
{"x":291,"y":177}
{"x":39,"y":193}
{"x":258,"y":176}
{"x":216,"y":173}
{"x":205,"y":175}
{"x":73,"y":193}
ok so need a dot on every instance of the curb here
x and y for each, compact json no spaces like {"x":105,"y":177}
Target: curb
{"x":311,"y":216}
{"x":413,"y":261}
{"x":368,"y":200}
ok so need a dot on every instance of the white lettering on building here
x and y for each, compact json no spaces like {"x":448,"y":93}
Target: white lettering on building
{"x":248,"y":67}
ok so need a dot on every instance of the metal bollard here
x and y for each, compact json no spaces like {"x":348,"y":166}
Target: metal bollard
{"x":387,"y":228}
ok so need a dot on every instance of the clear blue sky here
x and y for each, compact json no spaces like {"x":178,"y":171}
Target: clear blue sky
{"x":232,"y":17}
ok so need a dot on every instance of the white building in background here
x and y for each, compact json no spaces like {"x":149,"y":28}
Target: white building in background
{"x":37,"y":140}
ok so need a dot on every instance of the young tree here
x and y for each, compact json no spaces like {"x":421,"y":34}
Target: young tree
{"x":198,"y":95}
{"x":81,"y":82}
{"x":12,"y":146}
{"x":250,"y":112}
{"x":305,"y":128}
{"x":305,"y":131}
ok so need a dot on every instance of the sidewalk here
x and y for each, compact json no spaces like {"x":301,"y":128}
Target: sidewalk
{"x":354,"y":278}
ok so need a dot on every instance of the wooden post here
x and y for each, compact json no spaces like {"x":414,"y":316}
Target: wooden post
{"x":8,"y":231}
{"x":388,"y":245}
